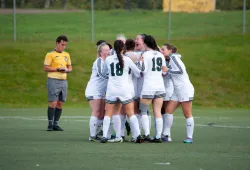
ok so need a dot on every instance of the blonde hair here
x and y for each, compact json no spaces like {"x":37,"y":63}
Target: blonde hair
{"x":99,"y":48}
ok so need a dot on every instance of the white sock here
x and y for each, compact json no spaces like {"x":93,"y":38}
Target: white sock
{"x":150,"y":121}
{"x":99,"y":124}
{"x":167,"y":124}
{"x":159,"y":125}
{"x":123,"y":120}
{"x":190,"y":127}
{"x":111,"y":125}
{"x":117,"y":125}
{"x":145,"y":124}
{"x":106,"y":124}
{"x":134,"y":126}
{"x":138,"y":116}
{"x":93,"y":126}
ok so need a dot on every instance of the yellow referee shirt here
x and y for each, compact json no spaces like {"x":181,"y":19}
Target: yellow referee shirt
{"x":55,"y":59}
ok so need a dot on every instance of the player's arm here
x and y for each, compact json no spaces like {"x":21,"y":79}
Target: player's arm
{"x":103,"y":73}
{"x":136,"y":71}
{"x":176,"y":68}
{"x":47,"y":63}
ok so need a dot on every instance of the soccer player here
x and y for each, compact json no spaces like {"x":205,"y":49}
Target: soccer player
{"x":95,"y":91}
{"x":118,"y":94}
{"x":169,"y":88}
{"x":153,"y":89}
{"x":183,"y":93}
{"x":118,"y":37}
{"x":57,"y":63}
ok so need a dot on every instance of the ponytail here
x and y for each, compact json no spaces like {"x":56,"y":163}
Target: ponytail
{"x":119,"y":46}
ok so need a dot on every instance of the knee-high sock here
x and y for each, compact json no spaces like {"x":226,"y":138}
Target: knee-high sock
{"x":134,"y":126}
{"x":58,"y":113}
{"x":99,"y":124}
{"x":123,"y":120}
{"x":93,"y":126}
{"x":106,"y":124}
{"x":190,"y":127}
{"x":145,"y":124}
{"x":167,"y":124}
{"x":110,"y":130}
{"x":138,"y":116}
{"x":51,"y":114}
{"x":159,"y":125}
{"x":117,"y":125}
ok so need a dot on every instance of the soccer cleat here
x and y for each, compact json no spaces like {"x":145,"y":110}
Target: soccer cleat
{"x":57,"y":128}
{"x":104,"y":140}
{"x":156,"y":140}
{"x":147,"y":138}
{"x":139,"y":139}
{"x":100,"y":133}
{"x":188,"y":141}
{"x":166,"y":138}
{"x":94,"y":139}
{"x":115,"y":140}
{"x":50,"y":128}
{"x":128,"y":129}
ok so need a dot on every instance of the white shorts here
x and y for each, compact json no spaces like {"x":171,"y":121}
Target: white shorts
{"x":95,"y":97}
{"x":183,"y":95}
{"x":152,"y":94}
{"x":169,"y":93}
{"x":122,"y":99}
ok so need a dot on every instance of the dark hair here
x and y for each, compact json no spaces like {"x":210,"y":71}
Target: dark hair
{"x":130,"y":44}
{"x":61,"y":38}
{"x":143,"y":36}
{"x":171,"y":47}
{"x":119,"y":46}
{"x":150,"y":42}
{"x":99,"y":42}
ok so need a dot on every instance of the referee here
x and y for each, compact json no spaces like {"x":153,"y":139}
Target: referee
{"x":57,"y":63}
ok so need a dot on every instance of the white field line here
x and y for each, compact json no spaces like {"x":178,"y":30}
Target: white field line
{"x":223,"y":126}
{"x":86,"y":119}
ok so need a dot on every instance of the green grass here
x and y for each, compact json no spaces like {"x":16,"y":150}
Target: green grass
{"x":35,"y":27}
{"x":215,"y":53}
{"x":26,"y":145}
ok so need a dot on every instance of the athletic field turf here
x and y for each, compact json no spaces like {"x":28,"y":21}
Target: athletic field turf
{"x":221,"y":142}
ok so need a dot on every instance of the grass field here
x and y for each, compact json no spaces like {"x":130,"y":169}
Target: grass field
{"x":215,"y":54}
{"x":221,"y":142}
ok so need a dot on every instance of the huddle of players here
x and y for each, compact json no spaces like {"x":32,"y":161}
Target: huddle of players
{"x":129,"y":77}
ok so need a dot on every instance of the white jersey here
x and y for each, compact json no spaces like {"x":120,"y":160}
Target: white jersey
{"x":132,"y":79}
{"x":140,"y":80}
{"x":168,"y":83}
{"x":153,"y":62}
{"x":97,"y":84}
{"x":178,"y":73}
{"x":118,"y":79}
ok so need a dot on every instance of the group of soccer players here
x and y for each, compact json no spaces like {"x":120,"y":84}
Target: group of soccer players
{"x":126,"y":79}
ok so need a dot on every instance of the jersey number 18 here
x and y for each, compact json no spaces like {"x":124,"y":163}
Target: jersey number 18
{"x":118,"y":71}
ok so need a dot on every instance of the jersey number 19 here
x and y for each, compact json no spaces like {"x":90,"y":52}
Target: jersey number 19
{"x":158,"y":62}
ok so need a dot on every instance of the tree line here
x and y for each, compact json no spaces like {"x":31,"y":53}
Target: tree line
{"x":110,"y":4}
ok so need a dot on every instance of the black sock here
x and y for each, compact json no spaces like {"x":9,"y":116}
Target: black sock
{"x":58,"y":113}
{"x":51,"y":113}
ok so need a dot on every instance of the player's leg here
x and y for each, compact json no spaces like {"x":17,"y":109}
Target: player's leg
{"x":63,"y":88}
{"x":100,"y":118}
{"x":116,"y":118}
{"x":123,"y":121}
{"x":109,"y":110}
{"x":187,"y":110}
{"x":53,"y":93}
{"x":157,"y":105}
{"x":129,"y":110}
{"x":144,"y":107}
{"x":96,"y":106}
{"x":168,"y":117}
